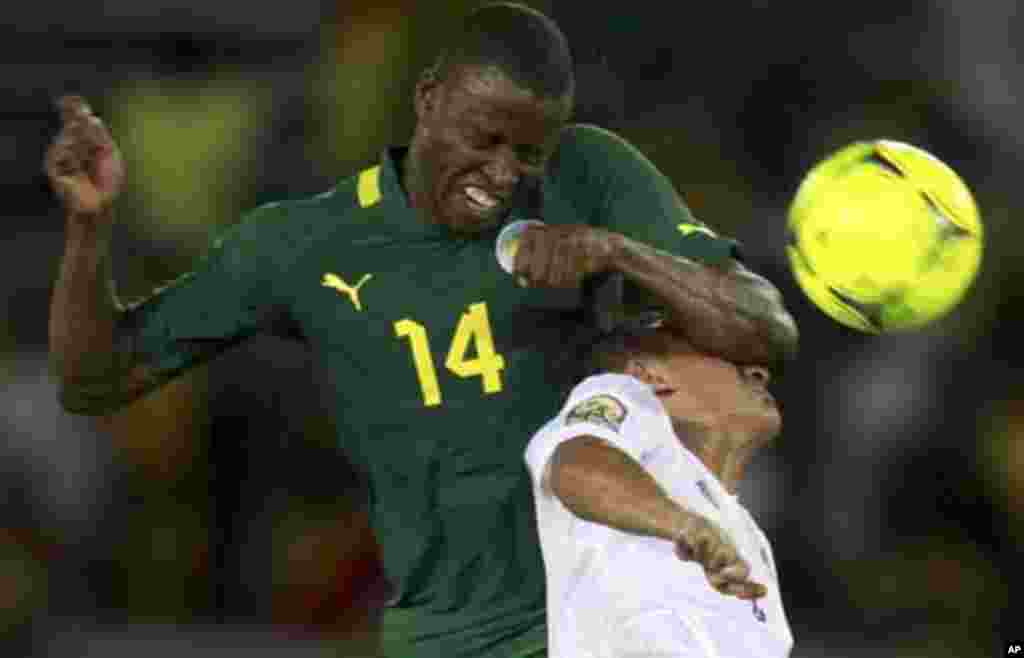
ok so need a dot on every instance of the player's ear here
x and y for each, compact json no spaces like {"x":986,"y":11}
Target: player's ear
{"x":634,"y":368}
{"x":425,"y":97}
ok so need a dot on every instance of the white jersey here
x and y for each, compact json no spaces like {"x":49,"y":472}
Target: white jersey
{"x":613,"y":594}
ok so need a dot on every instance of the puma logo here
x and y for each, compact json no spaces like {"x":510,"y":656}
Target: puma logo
{"x":334,"y":281}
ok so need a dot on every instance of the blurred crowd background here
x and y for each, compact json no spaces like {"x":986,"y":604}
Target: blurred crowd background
{"x":214,"y":518}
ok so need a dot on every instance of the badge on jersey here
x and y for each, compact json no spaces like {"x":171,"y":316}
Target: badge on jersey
{"x":601,"y":410}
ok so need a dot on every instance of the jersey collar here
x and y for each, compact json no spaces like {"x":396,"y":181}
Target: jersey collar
{"x":381,"y":184}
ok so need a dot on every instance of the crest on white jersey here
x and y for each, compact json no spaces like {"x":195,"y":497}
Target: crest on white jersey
{"x":601,"y":409}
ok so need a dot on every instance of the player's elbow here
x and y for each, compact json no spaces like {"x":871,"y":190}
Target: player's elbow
{"x":82,"y":400}
{"x":780,"y":337}
{"x":101,"y":389}
{"x":74,"y":401}
{"x":784,"y":336}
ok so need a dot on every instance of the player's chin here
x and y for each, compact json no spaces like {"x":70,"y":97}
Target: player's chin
{"x":764,"y":416}
{"x":463,"y":218}
{"x":770,"y":423}
{"x":470,"y":227}
{"x":766,"y":400}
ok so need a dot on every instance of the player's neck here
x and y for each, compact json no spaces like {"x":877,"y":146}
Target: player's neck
{"x":724,"y":453}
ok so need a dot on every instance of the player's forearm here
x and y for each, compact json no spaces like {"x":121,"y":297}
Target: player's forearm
{"x":601,"y":484}
{"x":83,"y":314}
{"x":728,"y":311}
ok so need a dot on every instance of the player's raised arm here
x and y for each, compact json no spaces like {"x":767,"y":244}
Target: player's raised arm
{"x":602,"y":484}
{"x":105,"y":354}
{"x":724,"y":309}
{"x":86,"y":172}
{"x":641,"y":228}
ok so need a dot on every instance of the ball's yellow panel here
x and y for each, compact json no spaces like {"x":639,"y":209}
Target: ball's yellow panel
{"x":823,"y":298}
{"x":937,"y":180}
{"x":883,"y":236}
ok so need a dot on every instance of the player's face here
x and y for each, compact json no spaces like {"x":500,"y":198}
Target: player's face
{"x":715,"y":393}
{"x":479,"y":137}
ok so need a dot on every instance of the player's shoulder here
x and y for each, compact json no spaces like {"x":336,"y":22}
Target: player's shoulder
{"x":333,"y":204}
{"x":589,"y":135}
{"x":288,"y":220}
{"x":589,"y":157}
{"x":621,"y":393}
{"x":586,"y":141}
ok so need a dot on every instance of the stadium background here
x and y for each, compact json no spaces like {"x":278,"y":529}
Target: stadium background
{"x":212,"y":519}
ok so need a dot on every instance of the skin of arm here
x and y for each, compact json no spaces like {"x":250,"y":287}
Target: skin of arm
{"x":725,"y":310}
{"x":94,"y":352}
{"x":599,"y":483}
{"x":95,"y":377}
{"x":86,"y":172}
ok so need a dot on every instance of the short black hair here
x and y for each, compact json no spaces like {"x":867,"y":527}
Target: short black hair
{"x":519,"y":41}
{"x":609,"y":351}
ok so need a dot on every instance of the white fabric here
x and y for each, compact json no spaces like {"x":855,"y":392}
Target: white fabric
{"x":616,"y":595}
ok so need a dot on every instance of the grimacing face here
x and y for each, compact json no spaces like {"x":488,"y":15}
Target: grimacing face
{"x":478,"y":137}
{"x":712,"y":392}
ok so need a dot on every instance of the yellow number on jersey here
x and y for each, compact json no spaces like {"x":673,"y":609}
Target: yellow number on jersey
{"x":417,"y":335}
{"x":474,"y":326}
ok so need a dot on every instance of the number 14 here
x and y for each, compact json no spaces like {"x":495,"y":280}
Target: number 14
{"x":474,"y":326}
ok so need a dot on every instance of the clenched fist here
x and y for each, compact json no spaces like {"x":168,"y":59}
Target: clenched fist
{"x":563,"y":255}
{"x":702,"y":541}
{"x":83,"y":164}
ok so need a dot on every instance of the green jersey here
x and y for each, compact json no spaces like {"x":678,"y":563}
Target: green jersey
{"x":440,"y":366}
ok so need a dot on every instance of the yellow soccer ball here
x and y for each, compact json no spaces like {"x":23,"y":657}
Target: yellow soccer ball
{"x":883,"y":236}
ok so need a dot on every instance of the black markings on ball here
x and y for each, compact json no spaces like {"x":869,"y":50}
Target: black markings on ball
{"x":790,"y":237}
{"x":876,"y":159}
{"x":869,"y":312}
{"x":801,"y":258}
{"x":948,"y":229}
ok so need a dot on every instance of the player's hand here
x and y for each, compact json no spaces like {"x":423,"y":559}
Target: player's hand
{"x":83,"y":164}
{"x":563,"y":255}
{"x":702,"y":541}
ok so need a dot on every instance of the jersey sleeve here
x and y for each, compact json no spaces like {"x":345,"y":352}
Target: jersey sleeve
{"x":635,"y":199}
{"x":224,"y":299}
{"x":613,"y":407}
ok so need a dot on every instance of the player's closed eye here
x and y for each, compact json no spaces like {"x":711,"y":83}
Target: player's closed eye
{"x":480,"y":139}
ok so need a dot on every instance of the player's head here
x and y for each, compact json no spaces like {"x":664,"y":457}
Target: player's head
{"x":488,"y":115}
{"x":521,"y":42}
{"x":696,"y":389}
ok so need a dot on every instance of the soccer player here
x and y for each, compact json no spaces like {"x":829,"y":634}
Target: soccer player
{"x":439,"y":368}
{"x":648,"y":550}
